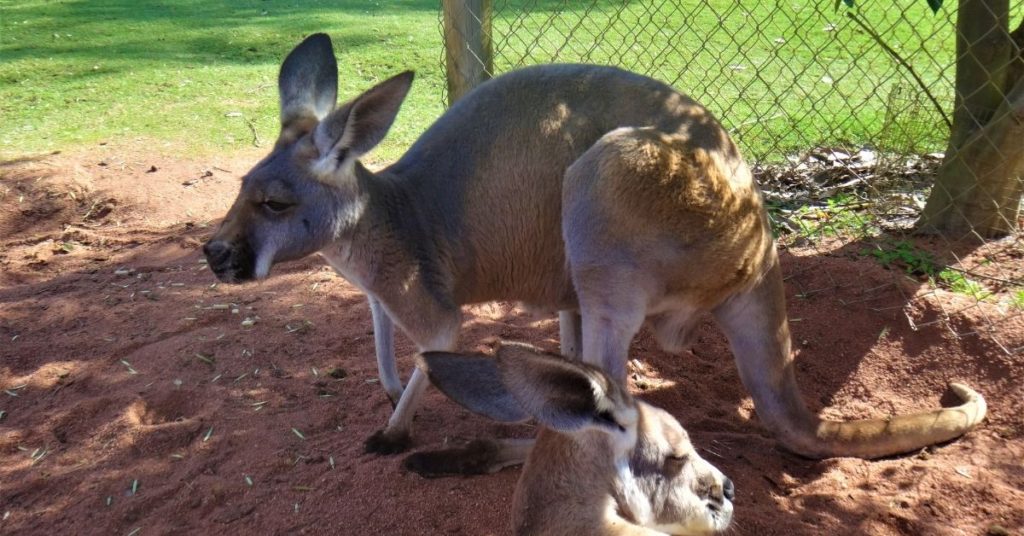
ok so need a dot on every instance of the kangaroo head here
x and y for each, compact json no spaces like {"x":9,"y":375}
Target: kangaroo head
{"x":306,"y":192}
{"x":658,"y":480}
{"x":679,"y":491}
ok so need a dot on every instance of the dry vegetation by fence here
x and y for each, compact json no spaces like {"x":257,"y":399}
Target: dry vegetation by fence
{"x":845,"y":114}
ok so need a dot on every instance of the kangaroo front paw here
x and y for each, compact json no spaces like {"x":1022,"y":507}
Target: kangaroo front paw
{"x":384,"y":442}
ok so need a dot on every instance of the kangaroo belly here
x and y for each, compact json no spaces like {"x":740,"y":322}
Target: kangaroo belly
{"x":518,"y":255}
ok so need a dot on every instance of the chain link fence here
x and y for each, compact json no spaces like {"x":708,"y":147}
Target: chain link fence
{"x":844,"y":114}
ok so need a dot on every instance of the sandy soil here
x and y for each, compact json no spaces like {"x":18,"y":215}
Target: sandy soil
{"x":142,"y":398}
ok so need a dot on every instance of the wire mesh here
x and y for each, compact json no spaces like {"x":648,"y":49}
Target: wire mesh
{"x":845,"y":116}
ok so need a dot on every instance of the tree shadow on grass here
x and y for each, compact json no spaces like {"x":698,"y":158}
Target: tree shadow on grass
{"x":191,"y":33}
{"x":211,"y":32}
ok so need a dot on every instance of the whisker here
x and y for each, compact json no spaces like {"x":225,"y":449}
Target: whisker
{"x":713,"y":453}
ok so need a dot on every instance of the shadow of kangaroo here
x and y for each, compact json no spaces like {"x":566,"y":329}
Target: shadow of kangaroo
{"x":590,"y":190}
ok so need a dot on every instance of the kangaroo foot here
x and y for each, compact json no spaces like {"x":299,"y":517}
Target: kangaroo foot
{"x":385,"y":442}
{"x":478,"y":457}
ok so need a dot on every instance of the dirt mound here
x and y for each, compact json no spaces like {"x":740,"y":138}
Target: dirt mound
{"x":142,"y":395}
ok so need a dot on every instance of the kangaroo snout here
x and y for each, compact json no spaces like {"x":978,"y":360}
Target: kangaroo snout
{"x":231,"y":263}
{"x":716,"y":507}
{"x":721,"y":493}
{"x":216,"y":252}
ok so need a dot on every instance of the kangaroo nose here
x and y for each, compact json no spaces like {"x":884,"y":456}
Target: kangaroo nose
{"x":216,"y":252}
{"x":728,"y":489}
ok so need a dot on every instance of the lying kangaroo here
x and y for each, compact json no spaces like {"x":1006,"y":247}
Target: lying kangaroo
{"x":604,"y":463}
{"x":603,"y":194}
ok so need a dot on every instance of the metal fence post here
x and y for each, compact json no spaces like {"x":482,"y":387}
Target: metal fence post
{"x":467,"y":43}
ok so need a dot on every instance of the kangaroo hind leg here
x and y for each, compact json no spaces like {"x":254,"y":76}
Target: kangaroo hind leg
{"x":384,"y":344}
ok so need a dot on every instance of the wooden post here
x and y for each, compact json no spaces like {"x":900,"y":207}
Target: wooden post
{"x":467,"y":43}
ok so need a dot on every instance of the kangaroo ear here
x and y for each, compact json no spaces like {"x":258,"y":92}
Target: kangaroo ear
{"x":308,"y":86}
{"x":564,"y":395}
{"x":474,"y":381}
{"x":359,"y":125}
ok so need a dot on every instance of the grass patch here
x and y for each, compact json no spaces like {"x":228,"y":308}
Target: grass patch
{"x":840,"y":216}
{"x":1017,"y":299}
{"x":191,"y":75}
{"x":782,"y":77}
{"x":961,"y":284}
{"x":921,"y":264}
{"x":903,"y":254}
{"x":198,"y":77}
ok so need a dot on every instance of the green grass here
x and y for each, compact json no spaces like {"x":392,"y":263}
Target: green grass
{"x":961,"y":284}
{"x":180,"y":73}
{"x":905,"y":255}
{"x":199,"y":76}
{"x":782,"y":76}
{"x":1017,"y":299}
{"x":917,"y":262}
{"x":842,"y":216}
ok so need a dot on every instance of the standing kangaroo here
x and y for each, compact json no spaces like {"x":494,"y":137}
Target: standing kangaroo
{"x":600,"y":193}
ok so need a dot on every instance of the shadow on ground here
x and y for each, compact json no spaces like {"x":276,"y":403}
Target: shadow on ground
{"x":143,"y":395}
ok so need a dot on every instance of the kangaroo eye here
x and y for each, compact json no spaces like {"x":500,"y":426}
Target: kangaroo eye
{"x":276,"y":207}
{"x":674,"y":464}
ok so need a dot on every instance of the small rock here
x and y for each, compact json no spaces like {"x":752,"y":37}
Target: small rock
{"x":997,"y":530}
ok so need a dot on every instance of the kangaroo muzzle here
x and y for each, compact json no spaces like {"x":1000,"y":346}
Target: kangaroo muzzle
{"x":230,"y":262}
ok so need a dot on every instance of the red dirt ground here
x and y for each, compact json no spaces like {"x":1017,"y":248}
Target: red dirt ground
{"x":126,"y":367}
